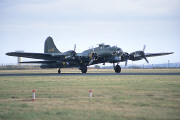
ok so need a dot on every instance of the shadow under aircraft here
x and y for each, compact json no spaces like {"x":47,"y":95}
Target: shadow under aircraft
{"x":53,"y":58}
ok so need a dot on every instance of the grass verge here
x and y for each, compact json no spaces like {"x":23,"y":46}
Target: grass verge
{"x":114,"y":97}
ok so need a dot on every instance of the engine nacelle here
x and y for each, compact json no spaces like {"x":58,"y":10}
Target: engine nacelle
{"x":138,"y":55}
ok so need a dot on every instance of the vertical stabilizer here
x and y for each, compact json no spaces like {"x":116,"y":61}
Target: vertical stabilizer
{"x":49,"y":46}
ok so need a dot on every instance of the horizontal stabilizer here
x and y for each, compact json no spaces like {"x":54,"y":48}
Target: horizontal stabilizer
{"x":39,"y":62}
{"x":30,"y":55}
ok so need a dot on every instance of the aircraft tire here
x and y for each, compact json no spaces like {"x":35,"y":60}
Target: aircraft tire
{"x":117,"y":69}
{"x":84,"y":69}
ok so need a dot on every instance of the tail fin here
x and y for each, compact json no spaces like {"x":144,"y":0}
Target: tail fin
{"x":49,"y":46}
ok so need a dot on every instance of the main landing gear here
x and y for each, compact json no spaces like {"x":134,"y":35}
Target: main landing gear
{"x":83,"y":69}
{"x":59,"y":71}
{"x":117,"y":68}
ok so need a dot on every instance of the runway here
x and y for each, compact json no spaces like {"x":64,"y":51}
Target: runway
{"x":84,"y":74}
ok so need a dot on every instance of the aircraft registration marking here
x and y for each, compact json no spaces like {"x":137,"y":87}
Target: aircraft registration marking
{"x":51,"y":50}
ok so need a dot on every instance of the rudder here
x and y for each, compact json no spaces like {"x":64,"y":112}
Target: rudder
{"x":49,"y":46}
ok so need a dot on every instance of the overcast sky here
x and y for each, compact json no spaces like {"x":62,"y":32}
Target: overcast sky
{"x":129,"y":24}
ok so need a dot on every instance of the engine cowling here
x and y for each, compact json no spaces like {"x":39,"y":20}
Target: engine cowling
{"x":138,"y":55}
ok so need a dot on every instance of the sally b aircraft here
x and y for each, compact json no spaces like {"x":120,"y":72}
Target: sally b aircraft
{"x":53,"y":58}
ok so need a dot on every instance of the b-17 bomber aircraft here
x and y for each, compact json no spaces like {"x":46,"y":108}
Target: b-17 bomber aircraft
{"x":53,"y":58}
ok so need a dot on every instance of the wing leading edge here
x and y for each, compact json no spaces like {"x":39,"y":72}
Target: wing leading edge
{"x":157,"y":54}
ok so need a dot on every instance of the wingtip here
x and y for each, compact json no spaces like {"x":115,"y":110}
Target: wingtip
{"x":8,"y":53}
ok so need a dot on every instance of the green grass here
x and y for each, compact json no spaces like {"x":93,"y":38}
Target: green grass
{"x":114,"y":97}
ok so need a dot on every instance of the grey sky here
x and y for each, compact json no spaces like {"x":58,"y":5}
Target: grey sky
{"x":129,"y":24}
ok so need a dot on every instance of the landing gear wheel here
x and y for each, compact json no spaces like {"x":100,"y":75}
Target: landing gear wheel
{"x":117,"y":69}
{"x":84,"y":69}
{"x":59,"y":71}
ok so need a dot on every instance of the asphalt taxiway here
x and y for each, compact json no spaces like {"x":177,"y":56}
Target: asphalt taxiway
{"x":83,"y":74}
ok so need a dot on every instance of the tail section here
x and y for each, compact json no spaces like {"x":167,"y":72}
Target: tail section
{"x":49,"y":46}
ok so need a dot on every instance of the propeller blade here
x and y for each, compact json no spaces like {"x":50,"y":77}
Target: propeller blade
{"x":144,"y":48}
{"x":91,"y":61}
{"x":93,"y":57}
{"x":143,"y":54}
{"x":74,"y":55}
{"x":74,"y":47}
{"x":116,"y":48}
{"x":126,"y":62}
{"x":146,"y":59}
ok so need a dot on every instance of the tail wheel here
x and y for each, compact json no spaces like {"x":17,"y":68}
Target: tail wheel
{"x":59,"y":71}
{"x":117,"y":69}
{"x":84,"y":69}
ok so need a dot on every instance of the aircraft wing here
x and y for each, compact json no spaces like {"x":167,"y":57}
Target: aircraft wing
{"x":45,"y":56}
{"x":157,"y":54}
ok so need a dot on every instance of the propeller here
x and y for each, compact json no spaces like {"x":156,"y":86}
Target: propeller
{"x":126,"y":57}
{"x":126,"y":62}
{"x":74,"y":47}
{"x":144,"y":48}
{"x":93,"y":56}
{"x":73,"y":55}
{"x":143,"y":54}
{"x":138,"y":55}
{"x":91,"y":61}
